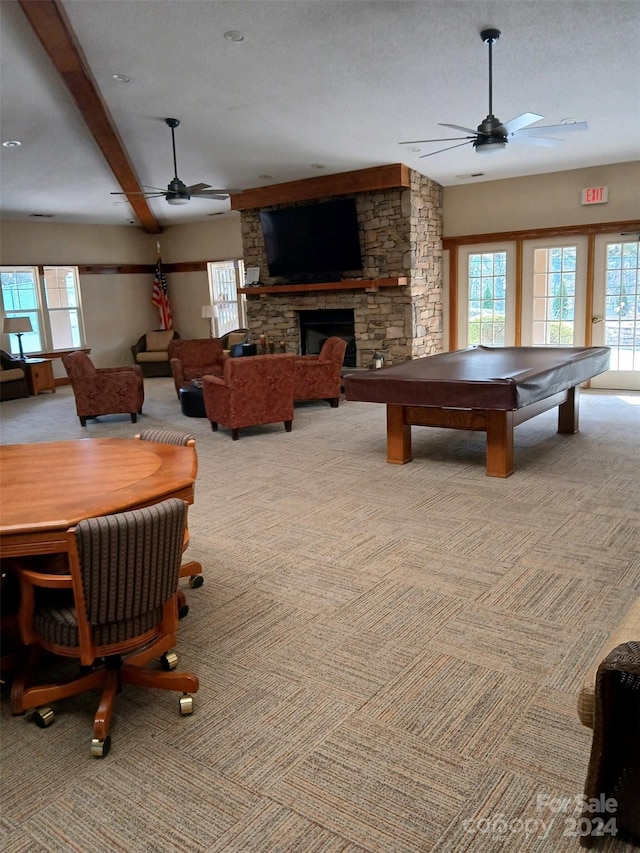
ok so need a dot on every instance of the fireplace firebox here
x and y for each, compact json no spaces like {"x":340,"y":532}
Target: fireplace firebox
{"x":317,"y":326}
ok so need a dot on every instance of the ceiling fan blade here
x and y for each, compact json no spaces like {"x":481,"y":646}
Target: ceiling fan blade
{"x":554,"y":128}
{"x":521,"y":121}
{"x":204,"y":194}
{"x":194,"y":188}
{"x":539,"y":141}
{"x":440,"y":150}
{"x":441,"y":139}
{"x":459,"y":127}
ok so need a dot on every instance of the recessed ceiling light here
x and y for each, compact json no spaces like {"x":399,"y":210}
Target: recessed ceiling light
{"x":234,"y":35}
{"x":120,"y":78}
{"x":318,"y":166}
{"x":568,"y":121}
{"x":265,"y":177}
{"x":414,"y":149}
{"x":11,"y":143}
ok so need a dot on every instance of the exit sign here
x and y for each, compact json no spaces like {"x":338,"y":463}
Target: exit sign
{"x":595,"y":195}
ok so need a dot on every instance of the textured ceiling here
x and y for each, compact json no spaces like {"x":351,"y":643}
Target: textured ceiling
{"x":338,"y":84}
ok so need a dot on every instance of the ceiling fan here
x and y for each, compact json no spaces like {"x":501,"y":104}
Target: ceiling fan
{"x":492,"y":134}
{"x":177,"y":192}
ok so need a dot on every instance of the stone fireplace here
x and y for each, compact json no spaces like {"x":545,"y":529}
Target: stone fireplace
{"x":396,"y":304}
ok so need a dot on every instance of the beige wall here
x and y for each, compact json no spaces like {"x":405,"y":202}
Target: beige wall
{"x":117,"y":309}
{"x":218,"y":239}
{"x":541,"y":201}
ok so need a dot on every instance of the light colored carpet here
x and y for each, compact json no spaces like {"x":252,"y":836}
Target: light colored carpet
{"x":389,"y":656}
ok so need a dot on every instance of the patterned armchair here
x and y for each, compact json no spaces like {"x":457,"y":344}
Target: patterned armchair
{"x":113,"y":611}
{"x":318,"y":377}
{"x":254,"y":390}
{"x":104,"y":390}
{"x":192,"y":359}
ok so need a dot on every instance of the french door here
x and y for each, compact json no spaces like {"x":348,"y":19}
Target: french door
{"x":616,"y":309}
{"x":554,"y":276}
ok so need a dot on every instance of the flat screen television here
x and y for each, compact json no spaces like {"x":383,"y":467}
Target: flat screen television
{"x":313,"y":240}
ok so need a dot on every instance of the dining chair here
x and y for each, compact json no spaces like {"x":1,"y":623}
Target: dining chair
{"x":192,"y":569}
{"x":113,"y":612}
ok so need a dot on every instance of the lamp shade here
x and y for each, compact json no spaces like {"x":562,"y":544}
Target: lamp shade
{"x":209,"y":311}
{"x":14,"y":325}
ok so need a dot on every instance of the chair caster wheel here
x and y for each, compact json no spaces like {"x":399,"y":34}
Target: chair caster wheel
{"x":43,"y":717}
{"x":186,"y":704}
{"x":169,"y":661}
{"x":99,"y":748}
{"x":196,"y":581}
{"x":183,"y":610}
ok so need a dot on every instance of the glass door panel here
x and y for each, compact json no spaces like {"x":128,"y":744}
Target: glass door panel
{"x":616,"y":310}
{"x":554,"y":292}
{"x":486,"y":300}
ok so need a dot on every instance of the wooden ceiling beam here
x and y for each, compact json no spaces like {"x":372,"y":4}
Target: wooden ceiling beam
{"x":52,"y":27}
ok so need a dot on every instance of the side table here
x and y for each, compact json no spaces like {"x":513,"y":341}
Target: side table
{"x":40,"y":375}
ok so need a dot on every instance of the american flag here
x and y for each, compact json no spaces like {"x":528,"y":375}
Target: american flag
{"x":160,"y":297}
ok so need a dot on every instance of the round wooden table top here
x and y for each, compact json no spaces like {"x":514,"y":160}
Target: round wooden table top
{"x":48,"y":487}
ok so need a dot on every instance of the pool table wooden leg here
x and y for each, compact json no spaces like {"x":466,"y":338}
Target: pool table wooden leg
{"x":569,"y":412}
{"x":398,"y":436}
{"x":499,"y":443}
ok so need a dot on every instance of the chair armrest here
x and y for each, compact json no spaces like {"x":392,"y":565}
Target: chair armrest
{"x":213,"y":380}
{"x":45,"y":580}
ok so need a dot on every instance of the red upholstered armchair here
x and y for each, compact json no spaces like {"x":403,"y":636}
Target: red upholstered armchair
{"x":254,"y":390}
{"x":194,"y":358}
{"x":104,"y":390}
{"x":318,"y":376}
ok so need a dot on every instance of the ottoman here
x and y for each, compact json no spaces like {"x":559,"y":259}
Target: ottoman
{"x":192,"y":401}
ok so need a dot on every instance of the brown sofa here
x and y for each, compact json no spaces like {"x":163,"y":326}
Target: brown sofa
{"x":192,"y":359}
{"x":13,"y":377}
{"x":151,"y":352}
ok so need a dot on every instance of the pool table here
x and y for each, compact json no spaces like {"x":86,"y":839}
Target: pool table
{"x":490,"y":389}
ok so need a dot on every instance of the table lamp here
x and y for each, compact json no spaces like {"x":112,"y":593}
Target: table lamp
{"x":210,"y":312}
{"x":17,"y":326}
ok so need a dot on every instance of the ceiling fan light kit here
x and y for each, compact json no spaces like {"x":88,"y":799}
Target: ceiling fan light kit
{"x":492,"y":135}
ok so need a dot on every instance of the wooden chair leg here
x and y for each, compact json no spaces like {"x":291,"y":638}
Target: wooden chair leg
{"x":235,"y":434}
{"x":287,"y":426}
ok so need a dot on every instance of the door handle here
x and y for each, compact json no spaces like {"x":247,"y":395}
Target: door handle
{"x":597,"y":320}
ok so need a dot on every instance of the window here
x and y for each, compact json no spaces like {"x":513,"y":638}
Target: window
{"x":554,"y":296}
{"x":51,"y":302}
{"x":487,"y":304}
{"x":228,"y":305}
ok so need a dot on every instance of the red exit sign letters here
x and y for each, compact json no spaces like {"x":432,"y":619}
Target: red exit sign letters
{"x":595,"y":195}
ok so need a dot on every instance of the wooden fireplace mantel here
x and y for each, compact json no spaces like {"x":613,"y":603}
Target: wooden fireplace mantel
{"x":370,"y":284}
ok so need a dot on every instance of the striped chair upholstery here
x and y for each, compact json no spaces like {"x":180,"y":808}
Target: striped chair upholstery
{"x":119,"y":599}
{"x":192,"y":569}
{"x":166,"y":436}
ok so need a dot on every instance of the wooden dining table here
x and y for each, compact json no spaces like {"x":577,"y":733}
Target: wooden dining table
{"x":47,"y":487}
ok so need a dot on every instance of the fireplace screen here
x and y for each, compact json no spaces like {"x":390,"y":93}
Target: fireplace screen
{"x":317,"y":326}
